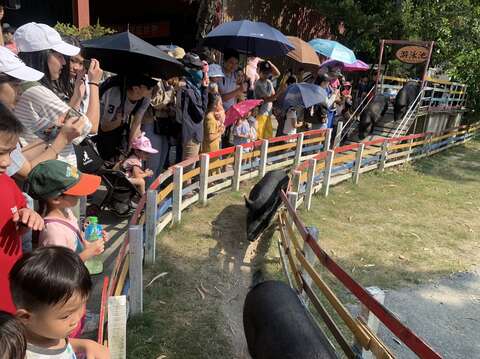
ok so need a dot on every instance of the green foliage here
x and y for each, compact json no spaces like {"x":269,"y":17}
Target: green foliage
{"x":361,"y":24}
{"x":454,"y":25}
{"x":85,"y":33}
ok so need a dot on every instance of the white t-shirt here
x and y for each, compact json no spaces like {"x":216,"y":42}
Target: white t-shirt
{"x":264,"y":89}
{"x":111,"y":102}
{"x":290,"y":122}
{"x":39,"y":109}
{"x":227,"y":85}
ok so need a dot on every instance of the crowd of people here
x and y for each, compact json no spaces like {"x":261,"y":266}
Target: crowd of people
{"x":53,"y":101}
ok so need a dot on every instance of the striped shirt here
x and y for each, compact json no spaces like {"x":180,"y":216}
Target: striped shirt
{"x":39,"y":109}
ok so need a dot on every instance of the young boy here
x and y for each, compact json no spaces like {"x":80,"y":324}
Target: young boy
{"x":13,"y":343}
{"x":50,"y":288}
{"x":59,"y":186}
{"x":15,"y":217}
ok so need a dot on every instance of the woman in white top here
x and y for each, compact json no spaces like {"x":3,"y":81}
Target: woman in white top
{"x":12,"y":72}
{"x":39,"y":109}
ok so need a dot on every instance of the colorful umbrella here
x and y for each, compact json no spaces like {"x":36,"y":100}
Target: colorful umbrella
{"x":303,"y":52}
{"x":333,"y":50}
{"x":249,"y":37}
{"x":357,"y":66}
{"x":239,"y":110}
{"x":302,"y":94}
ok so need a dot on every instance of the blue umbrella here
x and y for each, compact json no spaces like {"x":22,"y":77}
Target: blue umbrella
{"x":333,"y":50}
{"x":302,"y":95}
{"x":249,"y":37}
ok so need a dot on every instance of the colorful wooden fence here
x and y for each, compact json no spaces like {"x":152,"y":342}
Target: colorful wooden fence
{"x":315,"y":167}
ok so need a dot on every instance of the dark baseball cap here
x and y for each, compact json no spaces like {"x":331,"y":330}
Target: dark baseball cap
{"x":192,"y":60}
{"x":53,"y":178}
{"x":265,"y":66}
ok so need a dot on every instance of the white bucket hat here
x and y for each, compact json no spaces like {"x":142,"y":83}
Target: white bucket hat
{"x":36,"y":37}
{"x":11,"y":65}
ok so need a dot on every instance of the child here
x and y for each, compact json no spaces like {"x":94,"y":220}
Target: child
{"x":12,"y":337}
{"x":59,"y":186}
{"x":133,"y":167}
{"x":252,"y":121}
{"x":15,"y":218}
{"x":241,"y":131}
{"x":50,"y":288}
{"x":291,"y":123}
{"x":213,"y":128}
{"x":265,"y":91}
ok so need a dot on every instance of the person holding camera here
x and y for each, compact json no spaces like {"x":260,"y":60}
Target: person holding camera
{"x":39,"y":109}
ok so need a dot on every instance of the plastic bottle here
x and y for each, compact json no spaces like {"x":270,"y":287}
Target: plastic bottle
{"x":93,"y":232}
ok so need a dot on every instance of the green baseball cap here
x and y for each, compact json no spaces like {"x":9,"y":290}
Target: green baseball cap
{"x":53,"y":178}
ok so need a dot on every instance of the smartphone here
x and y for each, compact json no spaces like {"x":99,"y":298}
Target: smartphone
{"x":86,"y":128}
{"x":73,"y":113}
{"x":86,"y":64}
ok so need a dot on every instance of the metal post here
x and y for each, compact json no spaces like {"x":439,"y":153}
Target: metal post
{"x":151,"y":226}
{"x":117,"y":327}
{"x":237,"y":168}
{"x":358,"y":163}
{"x":383,"y":156}
{"x":328,"y":139}
{"x":263,"y":158}
{"x":135,"y":237}
{"x":204,"y":165}
{"x":296,"y":181}
{"x":298,"y":150}
{"x":338,"y":135}
{"x":371,"y":320}
{"x":312,"y":164}
{"x":327,"y":172}
{"x":410,"y":142}
{"x":177,"y":194}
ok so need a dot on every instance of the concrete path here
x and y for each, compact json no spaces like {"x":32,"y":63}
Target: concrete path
{"x":445,"y":314}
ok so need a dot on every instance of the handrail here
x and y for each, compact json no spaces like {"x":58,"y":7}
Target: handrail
{"x":411,"y":111}
{"x":347,"y":126}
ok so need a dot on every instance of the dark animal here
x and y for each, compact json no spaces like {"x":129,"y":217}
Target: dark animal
{"x":405,"y":98}
{"x":263,"y":201}
{"x":375,"y":110}
{"x":277,"y":325}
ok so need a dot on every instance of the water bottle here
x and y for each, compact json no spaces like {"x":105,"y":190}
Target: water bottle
{"x":93,"y":232}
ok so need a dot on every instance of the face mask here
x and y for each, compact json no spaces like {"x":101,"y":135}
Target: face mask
{"x":197,"y":75}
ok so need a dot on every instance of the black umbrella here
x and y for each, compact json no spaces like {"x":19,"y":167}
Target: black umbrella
{"x":126,"y":53}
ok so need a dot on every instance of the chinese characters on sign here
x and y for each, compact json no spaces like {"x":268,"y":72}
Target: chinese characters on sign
{"x":412,"y":54}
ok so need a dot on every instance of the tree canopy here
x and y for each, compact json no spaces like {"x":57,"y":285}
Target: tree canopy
{"x":454,"y":25}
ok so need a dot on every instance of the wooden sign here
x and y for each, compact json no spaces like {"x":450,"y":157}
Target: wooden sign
{"x":412,"y":54}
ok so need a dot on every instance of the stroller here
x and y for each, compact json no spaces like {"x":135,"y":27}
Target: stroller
{"x":121,"y":195}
